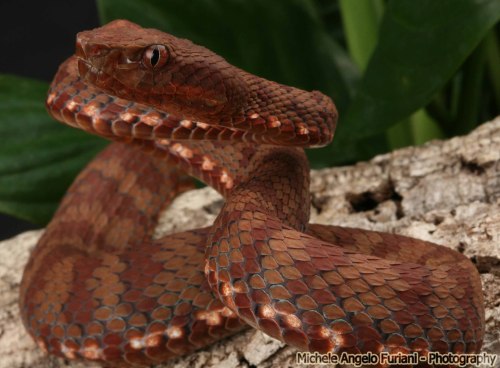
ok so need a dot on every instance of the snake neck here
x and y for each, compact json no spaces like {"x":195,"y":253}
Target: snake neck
{"x":276,"y":183}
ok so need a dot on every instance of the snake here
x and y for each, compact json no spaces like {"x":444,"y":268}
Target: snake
{"x":99,"y":287}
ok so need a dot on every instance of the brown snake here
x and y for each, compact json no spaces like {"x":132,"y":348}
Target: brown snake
{"x":98,"y":287}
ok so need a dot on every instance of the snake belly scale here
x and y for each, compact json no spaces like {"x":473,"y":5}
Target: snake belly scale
{"x":98,"y":287}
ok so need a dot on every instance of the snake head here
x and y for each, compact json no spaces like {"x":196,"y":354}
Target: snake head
{"x":161,"y":70}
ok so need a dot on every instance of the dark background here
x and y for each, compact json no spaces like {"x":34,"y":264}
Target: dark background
{"x":35,"y":37}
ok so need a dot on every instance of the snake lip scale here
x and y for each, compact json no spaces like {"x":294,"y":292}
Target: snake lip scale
{"x":98,"y":287}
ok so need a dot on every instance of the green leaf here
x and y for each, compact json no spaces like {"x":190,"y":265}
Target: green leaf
{"x":493,"y":56}
{"x":470,"y":97}
{"x":361,"y":20}
{"x":38,"y":156}
{"x":424,"y":128}
{"x":421,"y":45}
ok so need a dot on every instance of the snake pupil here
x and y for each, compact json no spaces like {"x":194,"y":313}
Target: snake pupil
{"x":155,"y":57}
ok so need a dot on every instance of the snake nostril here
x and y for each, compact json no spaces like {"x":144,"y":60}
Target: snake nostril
{"x":83,"y":68}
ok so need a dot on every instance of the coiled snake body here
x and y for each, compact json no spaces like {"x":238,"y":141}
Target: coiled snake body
{"x":98,"y":287}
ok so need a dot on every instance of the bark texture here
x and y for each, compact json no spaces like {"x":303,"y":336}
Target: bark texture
{"x":447,"y":192}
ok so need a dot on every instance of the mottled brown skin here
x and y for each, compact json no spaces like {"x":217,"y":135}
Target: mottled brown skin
{"x":98,"y":287}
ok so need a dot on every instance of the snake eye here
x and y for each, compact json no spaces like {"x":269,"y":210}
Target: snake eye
{"x":155,"y":56}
